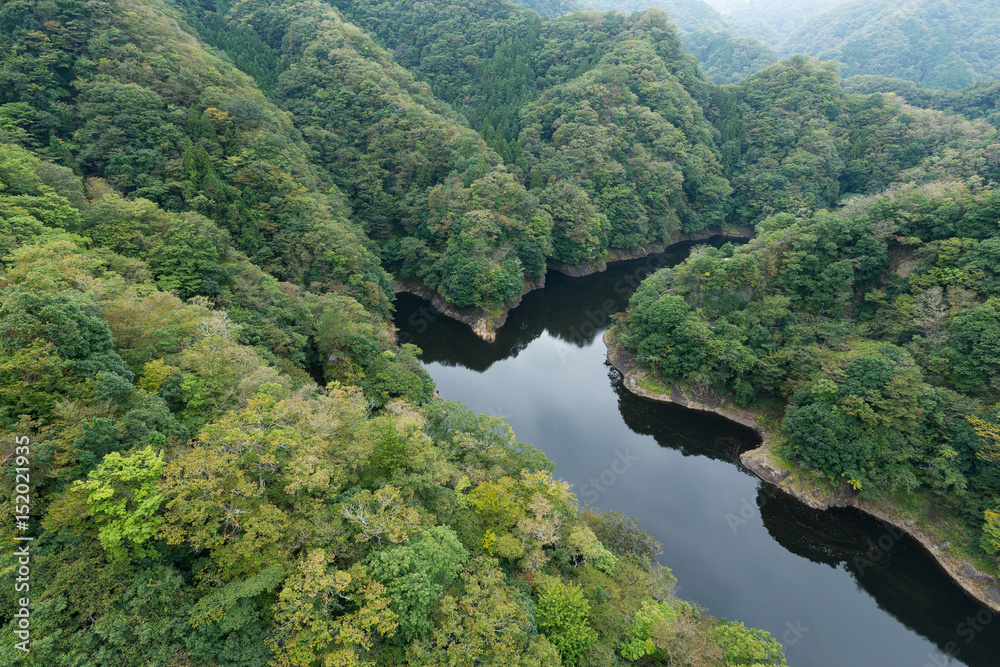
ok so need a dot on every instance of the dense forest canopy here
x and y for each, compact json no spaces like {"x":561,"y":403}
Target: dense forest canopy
{"x":226,"y":439}
{"x":688,"y":15}
{"x":771,"y":21}
{"x":944,"y":44}
{"x":727,"y":53}
{"x":204,"y":206}
{"x":978,"y":102}
{"x":937,"y":43}
{"x":792,"y":141}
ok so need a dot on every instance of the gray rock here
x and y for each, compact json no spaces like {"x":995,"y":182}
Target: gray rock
{"x":943,"y":545}
{"x":993,"y":593}
{"x":908,"y":524}
{"x":972,"y":574}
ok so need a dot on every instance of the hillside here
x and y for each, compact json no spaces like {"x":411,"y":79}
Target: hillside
{"x":726,"y":51}
{"x":793,"y":141}
{"x":936,"y":43}
{"x":726,"y":57}
{"x":771,"y":21}
{"x":688,"y":15}
{"x":861,"y":322}
{"x":606,"y":177}
{"x":226,"y":442}
{"x":135,"y":100}
{"x":870,"y":334}
{"x":978,"y":102}
{"x":234,"y":461}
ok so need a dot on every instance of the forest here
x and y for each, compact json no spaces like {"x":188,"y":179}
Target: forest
{"x":205,"y":208}
{"x":938,"y":44}
{"x":232,"y":459}
{"x":862,"y":318}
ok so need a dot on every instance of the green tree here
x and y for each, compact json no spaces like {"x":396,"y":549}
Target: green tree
{"x":747,"y":646}
{"x":562,"y":615}
{"x":415,"y":574}
{"x":487,"y":624}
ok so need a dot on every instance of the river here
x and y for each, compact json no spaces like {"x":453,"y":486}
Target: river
{"x":836,"y":588}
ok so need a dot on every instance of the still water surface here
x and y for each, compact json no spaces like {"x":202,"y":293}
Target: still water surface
{"x":817,"y":581}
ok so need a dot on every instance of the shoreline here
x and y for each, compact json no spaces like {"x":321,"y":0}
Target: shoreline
{"x":761,"y":461}
{"x":482,"y":322}
{"x":485,"y":323}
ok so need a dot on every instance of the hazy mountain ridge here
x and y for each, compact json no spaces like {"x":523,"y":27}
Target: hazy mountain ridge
{"x":938,"y":43}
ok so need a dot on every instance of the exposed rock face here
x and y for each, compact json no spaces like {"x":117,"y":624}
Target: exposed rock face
{"x":795,"y":482}
{"x":761,"y":462}
{"x":972,"y":574}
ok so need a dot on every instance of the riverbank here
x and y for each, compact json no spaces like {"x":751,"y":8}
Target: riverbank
{"x":801,"y":483}
{"x":613,"y":255}
{"x":484,"y":323}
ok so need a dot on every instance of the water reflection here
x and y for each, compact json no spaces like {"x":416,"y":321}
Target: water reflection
{"x":891,"y":567}
{"x":574,"y":310}
{"x":673,"y":426}
{"x":867,"y":595}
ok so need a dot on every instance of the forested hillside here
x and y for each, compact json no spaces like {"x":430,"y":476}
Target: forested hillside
{"x":688,"y":15}
{"x":132,"y":97}
{"x":771,"y":21}
{"x":726,"y":57}
{"x":875,"y":329}
{"x":232,"y":460}
{"x":947,"y":44}
{"x":978,"y":102}
{"x":727,"y":53}
{"x":873,"y":321}
{"x":597,"y":114}
{"x":552,"y":7}
{"x":793,"y":141}
{"x":936,"y":43}
{"x":869,"y":330}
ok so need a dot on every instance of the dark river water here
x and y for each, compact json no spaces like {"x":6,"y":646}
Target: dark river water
{"x":836,"y":588}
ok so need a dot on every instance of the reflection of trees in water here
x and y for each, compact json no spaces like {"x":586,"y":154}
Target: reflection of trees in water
{"x":893,"y":568}
{"x":451,"y":343}
{"x":573,"y":310}
{"x":691,"y":432}
{"x":903,"y":579}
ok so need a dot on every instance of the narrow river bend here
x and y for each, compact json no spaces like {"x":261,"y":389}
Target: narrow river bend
{"x":823,"y":583}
